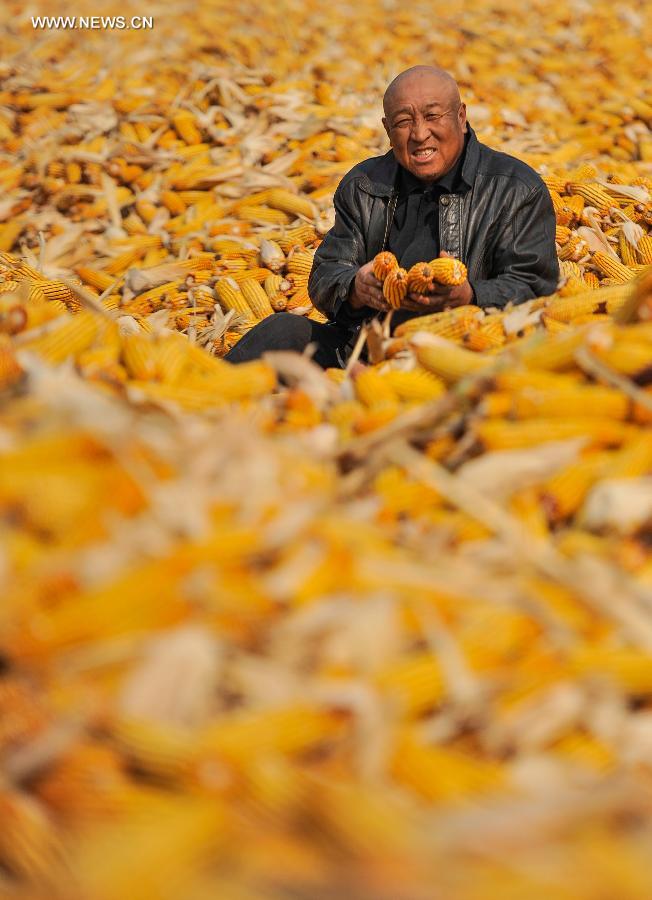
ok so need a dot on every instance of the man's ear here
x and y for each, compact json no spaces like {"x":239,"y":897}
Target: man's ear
{"x":462,"y":117}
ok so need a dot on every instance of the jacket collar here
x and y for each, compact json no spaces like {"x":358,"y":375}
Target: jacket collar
{"x":381,"y":180}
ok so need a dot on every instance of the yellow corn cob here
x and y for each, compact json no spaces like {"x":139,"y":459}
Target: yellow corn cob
{"x":278,"y":198}
{"x":72,"y":335}
{"x":591,"y":279}
{"x":592,"y":194}
{"x":373,"y":389}
{"x":553,"y":352}
{"x":486,"y":335}
{"x":613,"y":268}
{"x":186,"y":127}
{"x":451,"y":323}
{"x":420,"y":278}
{"x":9,"y":233}
{"x":414,"y":685}
{"x":171,"y":358}
{"x":56,"y":290}
{"x":302,"y":235}
{"x":262,"y":214}
{"x":632,"y":460}
{"x":271,"y":255}
{"x":627,"y":357}
{"x":564,"y":492}
{"x":555,"y":183}
{"x":565,"y":309}
{"x":447,"y":270}
{"x":498,"y":435}
{"x":628,"y":667}
{"x":442,"y":775}
{"x":575,"y":248}
{"x":626,"y":249}
{"x":139,"y":356}
{"x":525,"y":505}
{"x":10,"y":371}
{"x":300,"y":263}
{"x":122,"y":262}
{"x":417,"y":385}
{"x":316,"y":316}
{"x":275,"y":285}
{"x":299,"y":298}
{"x":231,"y":297}
{"x":384,"y":263}
{"x":395,"y":287}
{"x":569,"y":269}
{"x":448,"y":360}
{"x":256,"y":298}
{"x":29,"y":844}
{"x":582,"y":400}
{"x":258,"y":274}
{"x":562,"y":234}
{"x":552,"y":325}
{"x":644,"y":250}
{"x":173,"y":203}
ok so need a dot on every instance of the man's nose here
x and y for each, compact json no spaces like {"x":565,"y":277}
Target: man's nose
{"x":419,"y":132}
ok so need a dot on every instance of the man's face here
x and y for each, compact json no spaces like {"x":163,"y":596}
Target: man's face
{"x":424,"y":141}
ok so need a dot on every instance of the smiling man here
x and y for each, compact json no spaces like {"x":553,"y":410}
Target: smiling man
{"x":437,"y":191}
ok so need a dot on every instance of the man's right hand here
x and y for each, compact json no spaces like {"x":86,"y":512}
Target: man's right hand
{"x":367,"y":290}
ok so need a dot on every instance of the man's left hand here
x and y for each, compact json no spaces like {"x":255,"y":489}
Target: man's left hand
{"x":443,"y":296}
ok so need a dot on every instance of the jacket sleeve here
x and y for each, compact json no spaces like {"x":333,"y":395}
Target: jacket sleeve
{"x":524,"y":259}
{"x":338,"y":258}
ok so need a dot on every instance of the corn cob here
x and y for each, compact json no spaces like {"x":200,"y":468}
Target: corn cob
{"x":395,"y":287}
{"x":627,"y":357}
{"x":447,"y":270}
{"x":384,"y":263}
{"x":417,"y":385}
{"x":186,"y":127}
{"x":592,"y":194}
{"x":420,"y":278}
{"x":271,"y":255}
{"x":552,"y":352}
{"x":563,"y":494}
{"x":373,"y":389}
{"x":497,"y":435}
{"x":256,"y":298}
{"x":67,"y":340}
{"x":612,"y":267}
{"x":278,"y":198}
{"x":565,"y":309}
{"x":451,"y":323}
{"x":569,"y":269}
{"x":10,"y":370}
{"x":231,"y":297}
{"x":446,"y":359}
{"x":55,"y":291}
{"x":300,"y":263}
{"x":644,"y":250}
{"x":488,"y":334}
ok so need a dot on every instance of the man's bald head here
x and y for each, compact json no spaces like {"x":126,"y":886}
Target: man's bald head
{"x":425,"y":121}
{"x":436,"y":79}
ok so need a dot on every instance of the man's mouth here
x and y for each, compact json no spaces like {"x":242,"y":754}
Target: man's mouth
{"x":425,"y":153}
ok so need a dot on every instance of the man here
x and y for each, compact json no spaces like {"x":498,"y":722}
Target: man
{"x":438,"y":191}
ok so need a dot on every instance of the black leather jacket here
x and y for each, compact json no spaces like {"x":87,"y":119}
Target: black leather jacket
{"x":502,"y":228}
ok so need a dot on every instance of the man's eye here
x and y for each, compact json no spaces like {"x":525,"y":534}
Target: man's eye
{"x":432,"y":117}
{"x":402,"y":123}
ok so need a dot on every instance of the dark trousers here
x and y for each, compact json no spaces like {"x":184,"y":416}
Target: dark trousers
{"x":285,"y":331}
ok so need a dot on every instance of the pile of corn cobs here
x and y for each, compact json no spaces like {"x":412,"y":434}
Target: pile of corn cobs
{"x":273,"y":632}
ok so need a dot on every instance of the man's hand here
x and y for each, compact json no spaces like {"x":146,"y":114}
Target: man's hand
{"x":443,"y":296}
{"x":367,"y":290}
